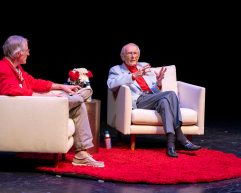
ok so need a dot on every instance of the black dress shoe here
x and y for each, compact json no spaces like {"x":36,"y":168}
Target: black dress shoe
{"x":171,"y":152}
{"x":191,"y":147}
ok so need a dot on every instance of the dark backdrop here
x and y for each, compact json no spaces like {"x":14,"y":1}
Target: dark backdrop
{"x":205,"y":50}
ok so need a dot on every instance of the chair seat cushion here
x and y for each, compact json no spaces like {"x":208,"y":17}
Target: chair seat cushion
{"x":151,"y":117}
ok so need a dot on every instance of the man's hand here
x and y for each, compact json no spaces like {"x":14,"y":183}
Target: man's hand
{"x":160,"y":76}
{"x":71,"y":89}
{"x":142,"y":71}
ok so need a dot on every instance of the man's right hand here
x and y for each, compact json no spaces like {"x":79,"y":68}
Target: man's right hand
{"x":142,"y":71}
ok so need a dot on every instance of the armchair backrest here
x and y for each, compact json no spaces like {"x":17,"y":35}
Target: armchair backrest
{"x":170,"y":80}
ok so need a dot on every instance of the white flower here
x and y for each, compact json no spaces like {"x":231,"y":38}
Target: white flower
{"x":83,"y":74}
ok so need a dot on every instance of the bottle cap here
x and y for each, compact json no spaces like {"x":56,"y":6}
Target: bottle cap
{"x":107,"y":134}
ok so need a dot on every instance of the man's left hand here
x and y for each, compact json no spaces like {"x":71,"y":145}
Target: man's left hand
{"x":160,"y":76}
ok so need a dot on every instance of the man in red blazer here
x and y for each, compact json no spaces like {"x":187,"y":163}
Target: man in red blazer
{"x":14,"y":81}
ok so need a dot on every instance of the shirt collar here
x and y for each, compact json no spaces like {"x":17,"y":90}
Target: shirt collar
{"x":131,"y":68}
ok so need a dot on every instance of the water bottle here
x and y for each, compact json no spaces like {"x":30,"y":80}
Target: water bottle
{"x":107,"y":140}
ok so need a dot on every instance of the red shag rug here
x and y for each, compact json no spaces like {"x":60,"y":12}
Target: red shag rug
{"x":153,"y":166}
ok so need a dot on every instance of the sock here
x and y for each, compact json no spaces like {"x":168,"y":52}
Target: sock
{"x":81,"y":154}
{"x":180,"y":136}
{"x":170,"y":140}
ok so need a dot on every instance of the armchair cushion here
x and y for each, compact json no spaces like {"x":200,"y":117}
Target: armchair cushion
{"x":151,"y":117}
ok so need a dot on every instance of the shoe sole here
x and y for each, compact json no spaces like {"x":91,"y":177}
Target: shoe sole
{"x":192,"y":149}
{"x":172,"y":156}
{"x":100,"y":166}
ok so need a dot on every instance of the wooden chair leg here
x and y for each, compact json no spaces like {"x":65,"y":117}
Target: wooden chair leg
{"x":63,"y":156}
{"x":133,"y":141}
{"x":58,"y":157}
{"x":56,"y":160}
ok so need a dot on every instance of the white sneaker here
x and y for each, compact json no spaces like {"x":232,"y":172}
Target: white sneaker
{"x":87,"y":160}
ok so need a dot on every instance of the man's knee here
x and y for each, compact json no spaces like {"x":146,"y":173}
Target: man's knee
{"x":75,"y":101}
{"x":170,"y":92}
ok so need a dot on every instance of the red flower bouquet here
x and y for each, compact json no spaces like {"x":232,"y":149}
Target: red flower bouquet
{"x":80,"y":76}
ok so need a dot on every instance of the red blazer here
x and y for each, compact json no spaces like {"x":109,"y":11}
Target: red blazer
{"x":12,"y":85}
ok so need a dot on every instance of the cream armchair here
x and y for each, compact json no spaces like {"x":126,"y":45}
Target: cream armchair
{"x":35,"y":124}
{"x":128,"y":121}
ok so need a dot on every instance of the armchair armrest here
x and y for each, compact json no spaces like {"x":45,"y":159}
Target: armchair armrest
{"x":119,"y":109}
{"x":193,"y":96}
{"x":123,"y":110}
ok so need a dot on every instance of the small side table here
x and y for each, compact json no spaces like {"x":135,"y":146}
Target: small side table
{"x":93,"y":109}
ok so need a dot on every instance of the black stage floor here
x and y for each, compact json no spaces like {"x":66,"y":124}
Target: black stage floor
{"x":219,"y":135}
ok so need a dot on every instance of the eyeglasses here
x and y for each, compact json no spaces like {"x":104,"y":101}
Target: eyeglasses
{"x":131,"y":53}
{"x":27,"y":50}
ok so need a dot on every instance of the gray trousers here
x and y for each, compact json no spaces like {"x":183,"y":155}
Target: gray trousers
{"x":78,"y":112}
{"x":166,"y":104}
